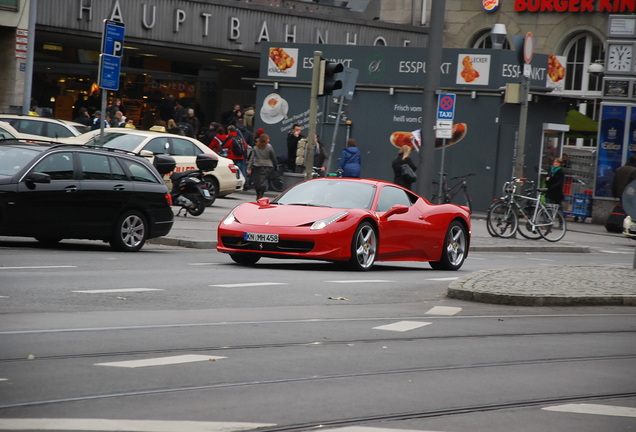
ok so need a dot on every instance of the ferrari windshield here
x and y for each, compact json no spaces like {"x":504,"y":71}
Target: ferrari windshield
{"x":329,"y":193}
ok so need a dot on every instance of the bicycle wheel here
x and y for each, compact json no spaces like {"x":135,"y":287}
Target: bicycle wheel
{"x":502,"y":220}
{"x":526,"y":229}
{"x":555,"y":225}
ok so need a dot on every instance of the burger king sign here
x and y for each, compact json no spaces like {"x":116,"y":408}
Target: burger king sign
{"x":490,"y":5}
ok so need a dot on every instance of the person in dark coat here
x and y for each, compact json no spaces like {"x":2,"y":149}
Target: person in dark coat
{"x":403,"y":157}
{"x":554,"y":182}
{"x":351,"y":160}
{"x":624,"y":176}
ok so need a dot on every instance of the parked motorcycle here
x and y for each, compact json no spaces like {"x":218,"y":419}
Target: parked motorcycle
{"x":189,"y":189}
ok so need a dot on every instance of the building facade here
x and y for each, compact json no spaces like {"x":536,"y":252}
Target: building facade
{"x":208,"y":53}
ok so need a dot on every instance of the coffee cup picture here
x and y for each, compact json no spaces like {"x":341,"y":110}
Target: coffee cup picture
{"x":274,"y":108}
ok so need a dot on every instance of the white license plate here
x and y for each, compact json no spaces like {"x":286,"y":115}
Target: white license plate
{"x":263,"y":238}
{"x":206,"y":193}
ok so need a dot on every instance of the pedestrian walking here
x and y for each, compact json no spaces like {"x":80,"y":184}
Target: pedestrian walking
{"x":351,"y":160}
{"x":261,"y":164}
{"x":403,"y":158}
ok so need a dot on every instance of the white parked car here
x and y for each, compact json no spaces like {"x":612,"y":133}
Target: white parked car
{"x":225,"y":179}
{"x":9,"y":132}
{"x":44,"y":126}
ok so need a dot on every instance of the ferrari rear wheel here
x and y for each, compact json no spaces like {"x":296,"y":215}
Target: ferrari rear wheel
{"x":364,"y":247}
{"x":455,"y":248}
{"x":245,"y":259}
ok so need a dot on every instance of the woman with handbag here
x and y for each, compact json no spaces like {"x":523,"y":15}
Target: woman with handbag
{"x":404,"y":168}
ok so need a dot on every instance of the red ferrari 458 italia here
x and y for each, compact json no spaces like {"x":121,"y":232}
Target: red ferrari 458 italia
{"x":359,"y":221}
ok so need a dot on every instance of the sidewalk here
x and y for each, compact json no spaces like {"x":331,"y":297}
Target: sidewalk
{"x":550,"y":286}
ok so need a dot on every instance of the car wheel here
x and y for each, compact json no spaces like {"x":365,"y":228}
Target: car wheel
{"x":213,"y":187}
{"x":364,"y":247}
{"x":48,"y":241}
{"x":131,"y":231}
{"x":198,"y":204}
{"x":455,"y":248}
{"x":245,"y":259}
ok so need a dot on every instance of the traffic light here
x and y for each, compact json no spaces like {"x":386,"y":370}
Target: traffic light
{"x":328,"y":80}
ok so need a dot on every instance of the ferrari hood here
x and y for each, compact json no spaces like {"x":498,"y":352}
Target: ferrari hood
{"x":282,"y":215}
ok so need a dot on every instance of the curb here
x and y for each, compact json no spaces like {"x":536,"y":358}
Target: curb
{"x":497,"y":287}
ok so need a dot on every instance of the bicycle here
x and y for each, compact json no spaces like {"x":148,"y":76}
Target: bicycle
{"x":275,"y":180}
{"x":450,"y":192}
{"x":538,"y":220}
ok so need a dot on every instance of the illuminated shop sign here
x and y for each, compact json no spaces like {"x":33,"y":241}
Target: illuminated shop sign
{"x":610,"y":6}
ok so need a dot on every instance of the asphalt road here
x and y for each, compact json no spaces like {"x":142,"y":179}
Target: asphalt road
{"x":184,"y":340}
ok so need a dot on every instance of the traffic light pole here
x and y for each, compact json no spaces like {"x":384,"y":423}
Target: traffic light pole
{"x":313,"y":116}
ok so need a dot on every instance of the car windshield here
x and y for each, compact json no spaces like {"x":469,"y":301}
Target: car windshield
{"x":13,"y":159}
{"x":120,"y":141}
{"x":329,"y":193}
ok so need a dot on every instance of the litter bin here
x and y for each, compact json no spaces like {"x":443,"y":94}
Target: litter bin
{"x":290,"y":179}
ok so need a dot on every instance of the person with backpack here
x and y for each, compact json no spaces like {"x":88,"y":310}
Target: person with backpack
{"x":218,"y":140}
{"x":236,"y":149}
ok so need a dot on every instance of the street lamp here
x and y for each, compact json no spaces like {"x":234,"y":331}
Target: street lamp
{"x":498,"y":35}
{"x":596,"y":68}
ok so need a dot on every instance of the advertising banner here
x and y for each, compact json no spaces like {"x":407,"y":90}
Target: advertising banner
{"x":610,"y":149}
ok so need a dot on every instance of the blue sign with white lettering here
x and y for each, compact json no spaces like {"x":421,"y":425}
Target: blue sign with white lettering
{"x":113,"y":38}
{"x":446,"y":107}
{"x":109,"y":68}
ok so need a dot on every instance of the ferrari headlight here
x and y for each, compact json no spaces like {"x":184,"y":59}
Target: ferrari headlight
{"x":229,"y":219}
{"x":324,"y":222}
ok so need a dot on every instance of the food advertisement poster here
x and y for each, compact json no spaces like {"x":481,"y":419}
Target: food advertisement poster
{"x":556,"y":73}
{"x":610,"y":149}
{"x":283,"y":62}
{"x":473,"y":69}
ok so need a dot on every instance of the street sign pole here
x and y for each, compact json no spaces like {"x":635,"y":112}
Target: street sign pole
{"x":313,"y":117}
{"x":528,"y":50}
{"x":444,"y":130}
{"x":110,"y":63}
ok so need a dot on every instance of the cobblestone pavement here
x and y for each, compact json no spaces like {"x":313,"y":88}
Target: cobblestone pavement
{"x":562,"y":285}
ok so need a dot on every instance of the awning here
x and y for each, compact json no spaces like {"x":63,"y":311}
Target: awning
{"x":581,"y":126}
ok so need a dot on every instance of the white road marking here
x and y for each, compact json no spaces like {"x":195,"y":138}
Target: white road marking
{"x":4,"y":296}
{"x":117,"y":290}
{"x":444,"y":310}
{"x":615,"y":252}
{"x":4,"y":379}
{"x":372,"y":429}
{"x":161,"y":361}
{"x":359,"y":281}
{"x":249,"y":284}
{"x":87,"y":424}
{"x":597,"y":409}
{"x":35,"y":267}
{"x":202,"y":264}
{"x":403,"y":326}
{"x":539,"y":259}
{"x":443,"y":279}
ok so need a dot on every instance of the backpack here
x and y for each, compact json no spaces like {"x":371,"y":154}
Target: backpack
{"x":238,"y":147}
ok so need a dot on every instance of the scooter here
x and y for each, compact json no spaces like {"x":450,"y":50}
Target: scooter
{"x":189,"y":189}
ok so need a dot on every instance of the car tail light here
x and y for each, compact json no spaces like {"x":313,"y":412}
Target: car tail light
{"x":169,"y":199}
{"x":233,"y":168}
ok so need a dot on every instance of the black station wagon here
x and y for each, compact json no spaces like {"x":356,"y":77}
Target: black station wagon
{"x":73,"y":192}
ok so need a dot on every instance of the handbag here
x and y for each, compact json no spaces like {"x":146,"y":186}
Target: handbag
{"x":407,"y":173}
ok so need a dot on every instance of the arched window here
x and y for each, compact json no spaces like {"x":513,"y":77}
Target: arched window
{"x":483,"y":41}
{"x":581,"y":50}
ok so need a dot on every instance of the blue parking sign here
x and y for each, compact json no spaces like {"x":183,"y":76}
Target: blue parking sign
{"x":109,"y":69}
{"x":446,"y":107}
{"x":113,"y":38}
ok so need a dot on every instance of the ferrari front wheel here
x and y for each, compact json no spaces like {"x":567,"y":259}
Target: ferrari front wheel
{"x":364,"y":247}
{"x":455,"y":248}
